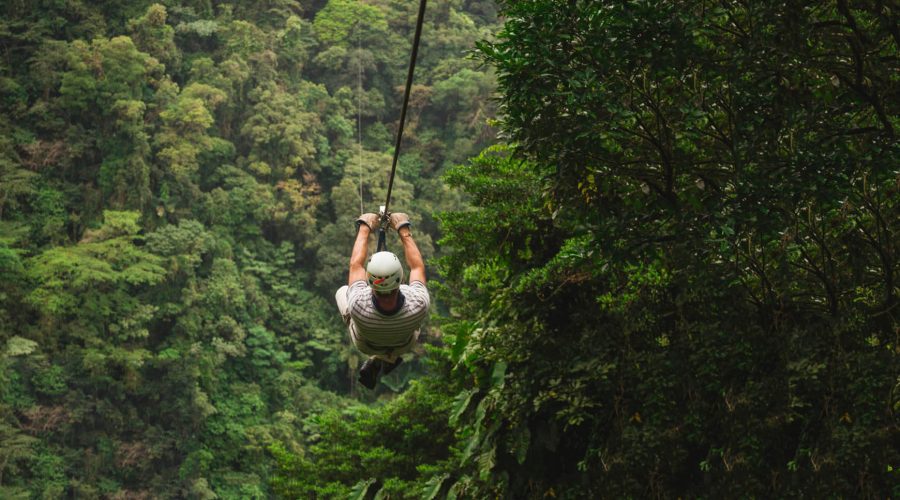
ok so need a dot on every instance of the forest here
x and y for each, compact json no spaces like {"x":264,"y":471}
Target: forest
{"x":661,"y":240}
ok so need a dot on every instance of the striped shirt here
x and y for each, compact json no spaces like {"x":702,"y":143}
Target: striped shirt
{"x":388,"y":330}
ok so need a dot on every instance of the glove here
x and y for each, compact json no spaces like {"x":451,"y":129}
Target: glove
{"x":399,"y":220}
{"x":370,"y":220}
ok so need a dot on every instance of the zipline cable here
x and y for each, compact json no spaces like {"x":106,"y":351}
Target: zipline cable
{"x":359,"y":114}
{"x":409,"y":80}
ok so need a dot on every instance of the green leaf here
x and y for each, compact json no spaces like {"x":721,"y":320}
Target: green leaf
{"x":19,"y":346}
{"x":521,"y":439}
{"x":460,"y":404}
{"x":361,"y":489}
{"x":433,"y":487}
{"x":486,"y":462}
{"x":499,"y":373}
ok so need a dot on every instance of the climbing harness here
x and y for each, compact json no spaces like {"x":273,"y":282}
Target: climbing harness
{"x":384,"y":214}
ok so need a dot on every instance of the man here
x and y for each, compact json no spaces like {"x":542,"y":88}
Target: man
{"x":383,"y":315}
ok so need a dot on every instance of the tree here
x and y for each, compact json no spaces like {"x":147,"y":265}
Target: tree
{"x":181,"y":140}
{"x":16,"y":446}
{"x":15,"y":181}
{"x":673,"y":304}
{"x":153,"y":36}
{"x":174,"y":183}
{"x":337,"y":23}
{"x":94,"y":107}
{"x":282,"y":135}
{"x":390,"y":443}
{"x":294,"y":45}
{"x":355,"y":37}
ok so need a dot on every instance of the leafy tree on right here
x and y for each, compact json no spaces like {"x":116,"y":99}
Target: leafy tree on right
{"x":680,"y":278}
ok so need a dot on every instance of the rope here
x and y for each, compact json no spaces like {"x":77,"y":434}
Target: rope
{"x":409,"y":80}
{"x":359,"y":114}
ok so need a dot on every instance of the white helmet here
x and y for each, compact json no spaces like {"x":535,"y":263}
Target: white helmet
{"x":384,"y":272}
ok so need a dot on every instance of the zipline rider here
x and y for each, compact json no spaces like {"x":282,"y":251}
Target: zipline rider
{"x":383,"y":315}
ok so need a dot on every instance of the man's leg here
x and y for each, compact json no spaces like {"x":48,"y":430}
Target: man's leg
{"x":370,"y":369}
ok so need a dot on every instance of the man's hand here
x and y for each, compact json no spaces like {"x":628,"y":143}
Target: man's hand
{"x":371,"y":220}
{"x":399,"y":220}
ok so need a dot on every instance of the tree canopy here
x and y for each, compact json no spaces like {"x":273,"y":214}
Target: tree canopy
{"x":661,"y":238}
{"x":697,"y":293}
{"x":178,"y":182}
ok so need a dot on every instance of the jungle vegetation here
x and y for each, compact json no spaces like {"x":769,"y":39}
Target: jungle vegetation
{"x":178,"y":184}
{"x":662,"y":239}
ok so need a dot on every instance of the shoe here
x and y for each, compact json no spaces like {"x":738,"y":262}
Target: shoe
{"x":368,"y":372}
{"x":389,"y":367}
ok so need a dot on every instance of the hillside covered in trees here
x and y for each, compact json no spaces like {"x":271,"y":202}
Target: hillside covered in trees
{"x":178,"y":182}
{"x":663,"y":238}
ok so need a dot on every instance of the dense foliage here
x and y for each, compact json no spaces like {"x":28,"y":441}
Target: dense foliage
{"x":677,"y":278}
{"x":684,"y":271}
{"x":177,"y":185}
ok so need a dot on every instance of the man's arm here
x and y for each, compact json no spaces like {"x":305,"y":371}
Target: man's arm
{"x":361,"y":247}
{"x":413,"y":256}
{"x":359,"y":254}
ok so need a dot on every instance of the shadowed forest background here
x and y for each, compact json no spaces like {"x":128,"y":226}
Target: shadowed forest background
{"x":662,"y":240}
